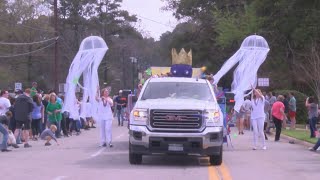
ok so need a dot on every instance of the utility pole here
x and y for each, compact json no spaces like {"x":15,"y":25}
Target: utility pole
{"x":55,"y":6}
{"x":133,"y":61}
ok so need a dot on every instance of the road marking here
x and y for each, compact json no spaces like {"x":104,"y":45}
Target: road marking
{"x":98,"y":152}
{"x":103,"y":149}
{"x":219,"y":172}
{"x":60,"y":177}
{"x":225,"y":172}
{"x":213,"y":174}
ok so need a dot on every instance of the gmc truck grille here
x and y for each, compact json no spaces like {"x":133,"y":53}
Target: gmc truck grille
{"x":176,"y":119}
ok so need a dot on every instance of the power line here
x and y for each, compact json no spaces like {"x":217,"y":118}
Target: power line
{"x":30,"y":43}
{"x":26,"y":26}
{"x":156,"y":21}
{"x":23,"y":54}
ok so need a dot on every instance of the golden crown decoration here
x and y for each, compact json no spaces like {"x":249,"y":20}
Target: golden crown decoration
{"x":182,"y":58}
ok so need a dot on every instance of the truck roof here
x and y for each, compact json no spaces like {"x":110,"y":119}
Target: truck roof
{"x":177,"y":79}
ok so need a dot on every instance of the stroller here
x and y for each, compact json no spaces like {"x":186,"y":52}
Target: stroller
{"x":229,"y":122}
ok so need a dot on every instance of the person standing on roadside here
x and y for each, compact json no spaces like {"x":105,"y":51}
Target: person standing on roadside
{"x":120,"y":103}
{"x":22,"y":111}
{"x":258,"y":117}
{"x":278,"y":116}
{"x":54,"y":113}
{"x":4,"y":102}
{"x":247,"y":107}
{"x":37,"y":116}
{"x":272,"y":99}
{"x":240,"y":120}
{"x":34,"y":90}
{"x":45,"y":102}
{"x":292,"y":110}
{"x":139,"y":90}
{"x":312,"y":107}
{"x":105,"y":114}
{"x":286,"y":110}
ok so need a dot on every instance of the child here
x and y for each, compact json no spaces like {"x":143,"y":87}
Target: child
{"x":5,"y":121}
{"x":48,"y":135}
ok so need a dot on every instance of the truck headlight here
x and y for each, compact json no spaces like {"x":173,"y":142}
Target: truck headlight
{"x":140,"y":114}
{"x":212,"y":117}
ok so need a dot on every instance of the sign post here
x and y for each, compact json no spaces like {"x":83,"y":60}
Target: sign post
{"x":263,"y":82}
{"x":17,"y":86}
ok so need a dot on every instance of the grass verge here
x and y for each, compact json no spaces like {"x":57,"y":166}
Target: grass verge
{"x":300,"y":134}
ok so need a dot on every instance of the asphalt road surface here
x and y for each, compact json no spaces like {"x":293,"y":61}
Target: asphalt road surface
{"x":79,"y":157}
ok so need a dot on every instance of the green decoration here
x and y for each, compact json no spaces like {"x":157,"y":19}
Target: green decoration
{"x":75,"y":80}
{"x":148,"y":72}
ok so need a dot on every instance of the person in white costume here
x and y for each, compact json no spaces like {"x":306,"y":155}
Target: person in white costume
{"x":105,"y":117}
{"x":258,"y":117}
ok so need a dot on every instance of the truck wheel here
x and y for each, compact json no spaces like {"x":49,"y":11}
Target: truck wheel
{"x":216,"y":159}
{"x":134,"y":158}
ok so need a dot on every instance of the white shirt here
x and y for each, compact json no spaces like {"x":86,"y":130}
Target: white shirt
{"x":4,"y":105}
{"x":258,"y":108}
{"x":105,"y":112}
{"x":88,"y":110}
{"x":247,"y":105}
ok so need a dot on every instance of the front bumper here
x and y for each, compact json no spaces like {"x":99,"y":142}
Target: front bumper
{"x":207,"y":142}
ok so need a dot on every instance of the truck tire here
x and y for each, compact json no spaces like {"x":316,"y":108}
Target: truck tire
{"x":134,"y":158}
{"x":216,"y":160}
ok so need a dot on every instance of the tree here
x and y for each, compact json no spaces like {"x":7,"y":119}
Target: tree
{"x":309,"y":67}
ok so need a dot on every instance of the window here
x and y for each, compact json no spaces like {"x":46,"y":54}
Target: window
{"x":177,"y":90}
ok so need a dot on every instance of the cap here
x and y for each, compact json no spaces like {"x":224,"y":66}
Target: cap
{"x":120,"y":91}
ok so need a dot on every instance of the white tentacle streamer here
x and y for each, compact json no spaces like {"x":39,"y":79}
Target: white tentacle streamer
{"x":86,"y":63}
{"x":252,"y":53}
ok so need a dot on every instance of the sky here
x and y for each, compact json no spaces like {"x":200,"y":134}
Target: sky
{"x":153,"y":21}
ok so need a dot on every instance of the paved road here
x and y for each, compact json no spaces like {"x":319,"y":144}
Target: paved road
{"x":79,"y":157}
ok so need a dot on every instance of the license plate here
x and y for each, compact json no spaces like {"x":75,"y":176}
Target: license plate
{"x":175,"y":147}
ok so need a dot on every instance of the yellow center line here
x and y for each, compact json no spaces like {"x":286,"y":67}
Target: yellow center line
{"x":213,"y":173}
{"x":225,"y":172}
{"x":219,"y":172}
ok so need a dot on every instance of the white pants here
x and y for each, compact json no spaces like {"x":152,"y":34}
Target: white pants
{"x":258,"y":132}
{"x":105,"y":131}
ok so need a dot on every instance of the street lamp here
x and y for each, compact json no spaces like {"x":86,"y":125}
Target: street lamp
{"x":133,"y":61}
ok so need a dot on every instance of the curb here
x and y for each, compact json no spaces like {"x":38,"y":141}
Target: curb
{"x":294,"y":140}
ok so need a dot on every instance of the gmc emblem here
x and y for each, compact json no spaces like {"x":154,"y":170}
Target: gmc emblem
{"x":173,"y":118}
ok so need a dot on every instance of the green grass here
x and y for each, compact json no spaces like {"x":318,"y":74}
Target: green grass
{"x":300,"y":134}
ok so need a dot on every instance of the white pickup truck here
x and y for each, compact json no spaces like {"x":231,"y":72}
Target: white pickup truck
{"x":176,"y":116}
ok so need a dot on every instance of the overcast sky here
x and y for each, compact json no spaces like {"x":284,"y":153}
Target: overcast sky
{"x":154,"y":21}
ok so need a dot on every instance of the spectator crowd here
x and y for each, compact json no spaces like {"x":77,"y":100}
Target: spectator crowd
{"x":32,"y":115}
{"x":264,"y":111}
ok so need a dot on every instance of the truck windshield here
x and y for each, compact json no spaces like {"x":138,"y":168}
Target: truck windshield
{"x":177,"y":90}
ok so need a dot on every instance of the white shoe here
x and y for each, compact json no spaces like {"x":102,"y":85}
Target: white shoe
{"x":254,"y":148}
{"x":264,"y":147}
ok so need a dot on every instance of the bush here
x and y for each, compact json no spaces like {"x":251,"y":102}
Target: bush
{"x":302,"y":112}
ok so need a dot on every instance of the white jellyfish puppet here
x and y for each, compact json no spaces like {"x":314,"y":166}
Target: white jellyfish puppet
{"x":86,"y":63}
{"x":252,"y":53}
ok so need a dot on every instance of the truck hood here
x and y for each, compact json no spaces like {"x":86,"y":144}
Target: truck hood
{"x":170,"y":103}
